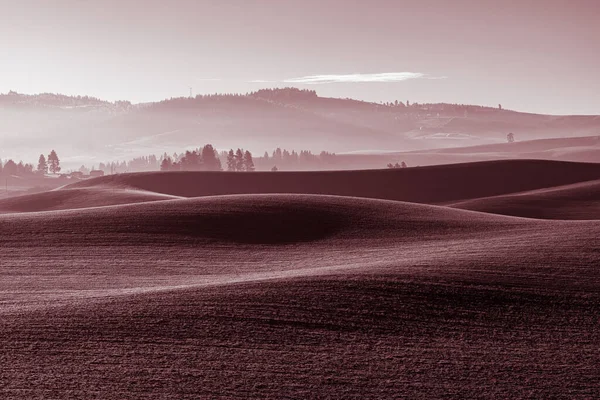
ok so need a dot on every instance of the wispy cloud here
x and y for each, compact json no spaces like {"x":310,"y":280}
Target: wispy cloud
{"x":262,"y":81}
{"x":207,"y":79}
{"x":357,"y":78}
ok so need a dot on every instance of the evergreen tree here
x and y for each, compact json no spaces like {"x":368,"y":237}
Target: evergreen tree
{"x":42,"y":165}
{"x":239,"y":160}
{"x":166,"y":164}
{"x":53,"y":162}
{"x":248,"y":162}
{"x":210,"y":160}
{"x":277,"y":154}
{"x":231,"y":160}
{"x":191,"y":161}
{"x":20,"y":168}
{"x":218,"y":166}
{"x":10,"y":168}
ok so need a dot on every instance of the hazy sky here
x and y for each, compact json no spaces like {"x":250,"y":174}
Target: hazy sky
{"x":539,"y":56}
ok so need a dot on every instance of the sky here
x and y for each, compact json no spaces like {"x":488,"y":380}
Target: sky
{"x":529,"y":55}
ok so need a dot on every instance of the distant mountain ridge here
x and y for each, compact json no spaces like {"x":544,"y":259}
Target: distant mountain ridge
{"x":281,"y":96}
{"x":289,"y":118}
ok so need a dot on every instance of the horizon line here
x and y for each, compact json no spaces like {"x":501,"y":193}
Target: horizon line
{"x":278,"y":88}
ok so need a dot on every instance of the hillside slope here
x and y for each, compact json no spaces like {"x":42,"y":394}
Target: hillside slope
{"x":576,"y":201}
{"x":65,"y":199}
{"x":438,"y":184}
{"x":267,"y":296}
{"x":574,"y":149}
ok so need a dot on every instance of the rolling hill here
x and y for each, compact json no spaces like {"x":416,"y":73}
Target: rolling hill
{"x":180,"y":285}
{"x":68,"y":199}
{"x":471,"y":183}
{"x":575,"y":149}
{"x":296,"y":295}
{"x":576,"y":201}
{"x":436,"y":184}
{"x":578,"y":149}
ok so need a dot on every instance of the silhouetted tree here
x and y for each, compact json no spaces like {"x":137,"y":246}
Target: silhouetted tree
{"x":24,"y":169}
{"x":219,"y":166}
{"x":284,"y":94}
{"x":191,"y":161}
{"x":294,"y":157}
{"x":248,"y":163}
{"x":274,"y":169}
{"x":396,"y":165}
{"x":210,"y":159}
{"x":231,"y":161}
{"x":42,"y":167}
{"x":510,"y":137}
{"x":166,"y":164}
{"x":10,"y":168}
{"x":403,"y":165}
{"x":239,"y":160}
{"x":390,"y":165}
{"x":53,"y":162}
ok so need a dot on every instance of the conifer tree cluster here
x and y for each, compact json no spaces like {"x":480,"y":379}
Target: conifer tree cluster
{"x":205,"y":159}
{"x":50,"y":164}
{"x":12,"y":168}
{"x":240,"y":160}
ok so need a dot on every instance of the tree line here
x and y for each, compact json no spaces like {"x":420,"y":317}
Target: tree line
{"x":401,"y":165}
{"x":205,"y":158}
{"x":285,"y":159}
{"x":208,"y":159}
{"x":240,"y":161}
{"x":45,"y":165}
{"x":200,"y":159}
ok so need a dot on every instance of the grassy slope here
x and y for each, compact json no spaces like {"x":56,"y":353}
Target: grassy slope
{"x":299,"y":296}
